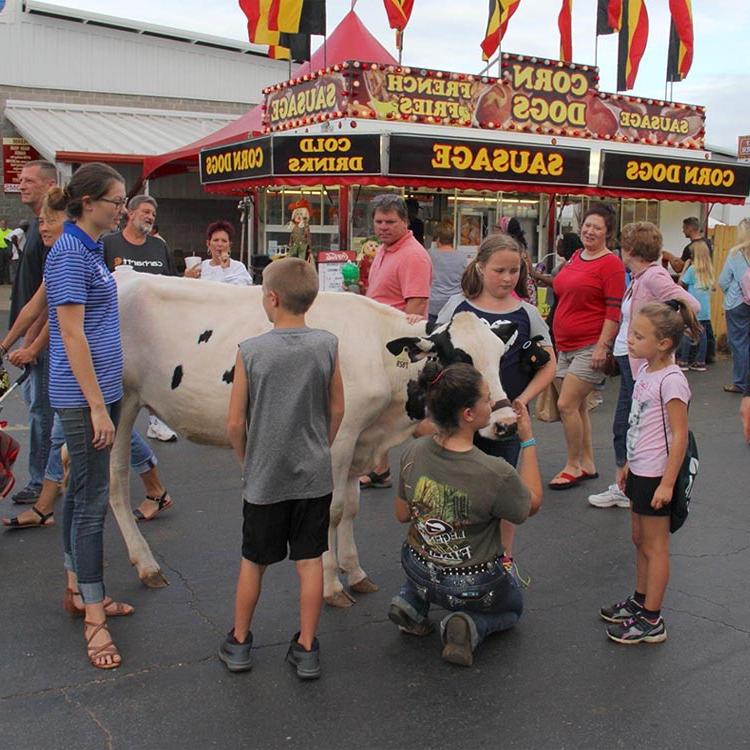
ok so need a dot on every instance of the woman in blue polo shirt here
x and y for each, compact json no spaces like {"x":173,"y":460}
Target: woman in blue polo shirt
{"x":85,"y":384}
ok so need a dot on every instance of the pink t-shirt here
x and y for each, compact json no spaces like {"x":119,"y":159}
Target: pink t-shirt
{"x":647,"y":452}
{"x":400,"y":272}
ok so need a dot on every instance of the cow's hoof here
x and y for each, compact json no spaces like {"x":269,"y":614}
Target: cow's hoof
{"x":154,"y":580}
{"x":340,"y":599}
{"x":365,"y":586}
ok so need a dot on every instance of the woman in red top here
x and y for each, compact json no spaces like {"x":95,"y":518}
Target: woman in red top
{"x":589,"y":291}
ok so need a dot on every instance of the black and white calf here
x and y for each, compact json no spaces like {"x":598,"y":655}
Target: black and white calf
{"x":180,"y":339}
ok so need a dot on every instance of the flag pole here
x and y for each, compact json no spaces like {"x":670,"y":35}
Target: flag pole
{"x":596,"y":50}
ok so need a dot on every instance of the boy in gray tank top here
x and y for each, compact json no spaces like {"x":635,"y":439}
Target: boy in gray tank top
{"x":286,"y":406}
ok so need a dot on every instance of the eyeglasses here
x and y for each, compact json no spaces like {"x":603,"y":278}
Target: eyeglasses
{"x":119,"y":202}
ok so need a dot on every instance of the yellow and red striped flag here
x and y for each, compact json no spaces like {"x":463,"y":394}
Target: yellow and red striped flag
{"x":277,"y":52}
{"x":500,"y":13}
{"x":399,"y":12}
{"x":298,"y":16}
{"x":565,"y":24}
{"x":608,"y":17}
{"x":680,"y":40}
{"x":632,"y":42}
{"x":257,"y":12}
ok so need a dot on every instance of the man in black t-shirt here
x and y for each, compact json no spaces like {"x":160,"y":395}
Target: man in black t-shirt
{"x":691,"y":228}
{"x":137,"y":248}
{"x":36,"y":178}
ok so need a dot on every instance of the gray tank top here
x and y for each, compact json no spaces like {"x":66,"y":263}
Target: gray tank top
{"x":289,"y":371}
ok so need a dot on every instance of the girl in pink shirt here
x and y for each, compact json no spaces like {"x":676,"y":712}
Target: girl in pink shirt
{"x":656,"y":444}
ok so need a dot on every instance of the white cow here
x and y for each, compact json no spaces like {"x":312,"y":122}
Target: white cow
{"x":180,"y":339}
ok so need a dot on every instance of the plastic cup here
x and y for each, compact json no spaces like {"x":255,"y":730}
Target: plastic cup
{"x":192,"y":261}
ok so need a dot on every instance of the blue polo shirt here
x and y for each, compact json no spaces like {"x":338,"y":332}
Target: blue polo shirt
{"x":75,"y":274}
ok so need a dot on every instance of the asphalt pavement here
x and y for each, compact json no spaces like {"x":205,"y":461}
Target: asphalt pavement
{"x":555,"y":681}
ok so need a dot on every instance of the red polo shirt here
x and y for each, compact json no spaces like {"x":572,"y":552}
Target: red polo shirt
{"x":399,"y":272}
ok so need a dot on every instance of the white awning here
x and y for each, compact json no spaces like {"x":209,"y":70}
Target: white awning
{"x":72,"y":132}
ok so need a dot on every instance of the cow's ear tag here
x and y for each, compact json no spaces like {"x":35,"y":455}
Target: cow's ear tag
{"x":403,"y":360}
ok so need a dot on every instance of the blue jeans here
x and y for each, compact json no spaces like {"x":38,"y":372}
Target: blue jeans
{"x":695,"y":353}
{"x":622,"y":410}
{"x":738,"y":333}
{"x":36,"y":395}
{"x":490,"y":601}
{"x":86,"y":501}
{"x":508,"y":448}
{"x":142,"y":458}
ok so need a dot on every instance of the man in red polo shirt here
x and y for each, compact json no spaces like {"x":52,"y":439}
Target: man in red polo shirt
{"x":401,"y":273}
{"x":400,"y":276}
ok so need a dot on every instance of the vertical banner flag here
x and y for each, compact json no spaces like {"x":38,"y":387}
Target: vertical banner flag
{"x":399,"y":12}
{"x":298,"y":16}
{"x":632,"y":42}
{"x":500,"y":13}
{"x":680,"y":40}
{"x":298,"y":46}
{"x":565,"y":24}
{"x":608,"y":17}
{"x":257,"y":21}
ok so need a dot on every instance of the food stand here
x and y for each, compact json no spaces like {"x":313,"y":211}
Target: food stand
{"x":470,"y":149}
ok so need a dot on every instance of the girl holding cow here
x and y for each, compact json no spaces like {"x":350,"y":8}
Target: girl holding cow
{"x":528,"y":365}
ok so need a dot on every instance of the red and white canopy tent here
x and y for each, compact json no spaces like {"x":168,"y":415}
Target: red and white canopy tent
{"x":350,"y":40}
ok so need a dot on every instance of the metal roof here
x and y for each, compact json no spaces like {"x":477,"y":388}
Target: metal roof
{"x":59,"y":130}
{"x":141,"y":27}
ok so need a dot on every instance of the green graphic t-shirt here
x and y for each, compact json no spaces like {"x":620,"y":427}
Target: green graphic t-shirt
{"x":457,"y":501}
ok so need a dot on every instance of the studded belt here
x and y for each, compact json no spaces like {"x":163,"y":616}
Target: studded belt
{"x":491,"y":566}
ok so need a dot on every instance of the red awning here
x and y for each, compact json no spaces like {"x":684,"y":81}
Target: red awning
{"x":448,"y":185}
{"x":350,"y":40}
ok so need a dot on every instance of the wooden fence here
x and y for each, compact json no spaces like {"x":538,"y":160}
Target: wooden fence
{"x":724,"y":238}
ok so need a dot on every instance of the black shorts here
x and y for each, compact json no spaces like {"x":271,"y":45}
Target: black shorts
{"x":300,"y":525}
{"x":641,"y":490}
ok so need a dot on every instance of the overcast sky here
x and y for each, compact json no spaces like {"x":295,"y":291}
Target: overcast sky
{"x":446,"y":34}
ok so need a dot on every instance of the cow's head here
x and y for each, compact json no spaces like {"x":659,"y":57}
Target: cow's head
{"x":468,"y":339}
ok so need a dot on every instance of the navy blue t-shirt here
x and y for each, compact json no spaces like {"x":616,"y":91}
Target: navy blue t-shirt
{"x":529,"y":323}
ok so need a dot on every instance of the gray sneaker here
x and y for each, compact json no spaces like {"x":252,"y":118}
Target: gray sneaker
{"x":618,"y":613}
{"x":27,"y":496}
{"x":236,"y":656}
{"x":307,"y":663}
{"x":407,"y":624}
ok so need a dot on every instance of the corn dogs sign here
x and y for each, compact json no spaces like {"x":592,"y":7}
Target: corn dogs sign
{"x":619,"y":170}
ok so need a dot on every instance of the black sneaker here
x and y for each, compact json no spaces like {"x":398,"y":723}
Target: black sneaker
{"x":457,"y":637}
{"x":27,"y":496}
{"x":236,"y":656}
{"x":306,"y":662}
{"x":406,"y":624}
{"x":621,"y":611}
{"x":638,"y":630}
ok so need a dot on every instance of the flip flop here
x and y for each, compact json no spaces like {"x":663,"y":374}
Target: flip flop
{"x":570,"y":481}
{"x":163,"y":503}
{"x":377,"y":481}
{"x":585,"y":475}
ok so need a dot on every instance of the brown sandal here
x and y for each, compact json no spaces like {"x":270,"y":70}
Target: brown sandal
{"x":98,"y":652}
{"x":111,"y":608}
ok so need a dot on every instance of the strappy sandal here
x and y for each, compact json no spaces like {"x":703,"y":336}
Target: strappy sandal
{"x":111,"y":608}
{"x":98,"y":652}
{"x":164,"y":502}
{"x":45,"y":519}
{"x":377,"y":481}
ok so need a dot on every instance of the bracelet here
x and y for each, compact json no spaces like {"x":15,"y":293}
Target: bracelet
{"x":528,"y":443}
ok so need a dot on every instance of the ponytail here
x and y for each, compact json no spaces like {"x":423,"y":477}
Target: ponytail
{"x":91,"y":181}
{"x":672,"y":320}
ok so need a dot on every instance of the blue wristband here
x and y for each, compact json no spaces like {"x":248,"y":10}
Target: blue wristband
{"x":528,"y":443}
